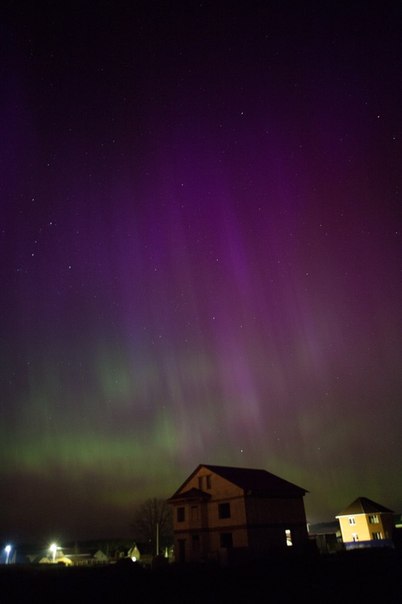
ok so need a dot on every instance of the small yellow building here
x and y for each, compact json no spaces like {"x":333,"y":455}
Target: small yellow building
{"x":223,"y":513}
{"x":365,"y":521}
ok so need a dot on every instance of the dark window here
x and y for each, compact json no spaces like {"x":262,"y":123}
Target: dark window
{"x":224,"y":510}
{"x":195,"y":542}
{"x":180,"y":514}
{"x":194,"y":512}
{"x":200,"y":482}
{"x":182,"y":550}
{"x":208,"y":481}
{"x":226,"y":540}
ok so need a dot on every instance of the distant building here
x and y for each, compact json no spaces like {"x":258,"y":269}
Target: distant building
{"x":134,"y":553}
{"x":365,"y":523}
{"x":326,"y":536}
{"x":93,"y":558}
{"x":59,"y":558}
{"x":223,"y":513}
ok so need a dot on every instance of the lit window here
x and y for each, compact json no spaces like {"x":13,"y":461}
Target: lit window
{"x":355,"y":537}
{"x":352,"y":520}
{"x":226,"y":540}
{"x":224,"y":510}
{"x":180,"y":514}
{"x":288,"y":534}
{"x":373,"y":519}
{"x":377,"y":536}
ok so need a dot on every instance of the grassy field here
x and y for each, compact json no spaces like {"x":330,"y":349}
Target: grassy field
{"x":349,"y":577}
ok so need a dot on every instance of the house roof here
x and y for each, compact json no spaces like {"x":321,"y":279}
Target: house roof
{"x":324,"y":528}
{"x":253,"y":481}
{"x":362,"y":505}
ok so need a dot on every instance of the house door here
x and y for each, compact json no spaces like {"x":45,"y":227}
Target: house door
{"x":181,"y":543}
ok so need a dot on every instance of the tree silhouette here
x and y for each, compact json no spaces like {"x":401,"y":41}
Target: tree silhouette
{"x":153,"y":517}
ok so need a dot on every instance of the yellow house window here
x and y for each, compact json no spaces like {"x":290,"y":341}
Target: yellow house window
{"x":377,"y":536}
{"x":373,"y":519}
{"x":355,"y":537}
{"x":352,"y":520}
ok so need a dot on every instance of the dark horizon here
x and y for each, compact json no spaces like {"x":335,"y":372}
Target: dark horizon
{"x":201,"y":226}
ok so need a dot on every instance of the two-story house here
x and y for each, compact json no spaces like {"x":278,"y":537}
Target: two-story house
{"x":366,"y":523}
{"x":223,"y":512}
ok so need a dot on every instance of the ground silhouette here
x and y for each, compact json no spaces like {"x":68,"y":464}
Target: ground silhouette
{"x":347,"y":577}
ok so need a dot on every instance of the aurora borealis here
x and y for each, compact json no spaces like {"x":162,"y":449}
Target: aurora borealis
{"x":201,"y":254}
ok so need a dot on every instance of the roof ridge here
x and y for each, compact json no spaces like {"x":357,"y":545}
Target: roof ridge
{"x":363,"y":505}
{"x":251,"y":480}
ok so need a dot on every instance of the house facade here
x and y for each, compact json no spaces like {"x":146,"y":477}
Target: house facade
{"x":222,"y":513}
{"x":366,"y":523}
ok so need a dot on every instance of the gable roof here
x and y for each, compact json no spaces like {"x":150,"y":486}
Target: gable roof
{"x":362,"y":505}
{"x":252,"y":481}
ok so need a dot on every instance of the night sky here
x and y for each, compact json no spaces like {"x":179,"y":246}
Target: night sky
{"x":200,"y":254}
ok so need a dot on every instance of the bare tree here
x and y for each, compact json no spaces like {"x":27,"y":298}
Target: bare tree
{"x":152,"y":523}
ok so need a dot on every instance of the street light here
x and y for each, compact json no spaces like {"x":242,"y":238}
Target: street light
{"x":53,"y":550}
{"x":7,"y":549}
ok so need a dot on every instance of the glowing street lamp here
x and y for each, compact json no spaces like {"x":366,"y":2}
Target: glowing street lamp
{"x":7,"y":549}
{"x":53,"y":551}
